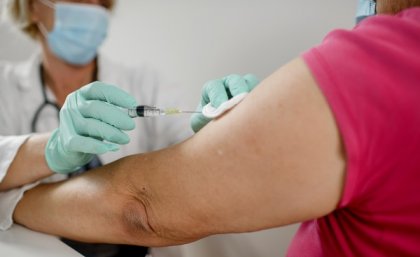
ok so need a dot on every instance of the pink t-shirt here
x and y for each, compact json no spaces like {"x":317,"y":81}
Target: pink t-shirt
{"x":370,"y":77}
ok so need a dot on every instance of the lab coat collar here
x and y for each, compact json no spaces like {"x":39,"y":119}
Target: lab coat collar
{"x":27,"y":73}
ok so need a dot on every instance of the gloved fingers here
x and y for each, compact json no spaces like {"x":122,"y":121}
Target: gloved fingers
{"x":90,"y":145}
{"x":102,"y":131}
{"x":214,"y":92}
{"x":236,"y":84}
{"x":107,"y":113}
{"x":252,"y":81}
{"x":108,"y":93}
{"x":200,"y":107}
{"x":198,"y":121}
{"x":217,"y":92}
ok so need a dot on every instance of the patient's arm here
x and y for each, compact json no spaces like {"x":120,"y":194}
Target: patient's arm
{"x":29,"y":164}
{"x":275,"y":159}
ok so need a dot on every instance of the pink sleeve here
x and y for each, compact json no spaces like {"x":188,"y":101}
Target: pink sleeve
{"x":345,"y":116}
{"x":370,"y":78}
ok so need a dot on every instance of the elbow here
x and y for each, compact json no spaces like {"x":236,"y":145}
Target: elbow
{"x":135,"y":224}
{"x":140,"y":227}
{"x":149,"y":218}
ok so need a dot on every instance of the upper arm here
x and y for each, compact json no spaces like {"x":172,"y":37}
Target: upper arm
{"x":275,"y":159}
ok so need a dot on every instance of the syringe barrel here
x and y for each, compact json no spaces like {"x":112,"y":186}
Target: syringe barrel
{"x":144,"y":111}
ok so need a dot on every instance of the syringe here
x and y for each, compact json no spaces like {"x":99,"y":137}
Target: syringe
{"x":151,"y":111}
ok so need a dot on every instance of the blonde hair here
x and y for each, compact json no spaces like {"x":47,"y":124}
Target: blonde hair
{"x":20,"y":12}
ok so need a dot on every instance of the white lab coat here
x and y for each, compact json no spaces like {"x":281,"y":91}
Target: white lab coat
{"x":21,"y":95}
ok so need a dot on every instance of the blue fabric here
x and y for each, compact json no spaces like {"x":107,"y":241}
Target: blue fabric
{"x":365,"y":9}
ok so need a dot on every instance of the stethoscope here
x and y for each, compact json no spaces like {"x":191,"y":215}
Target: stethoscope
{"x":47,"y":102}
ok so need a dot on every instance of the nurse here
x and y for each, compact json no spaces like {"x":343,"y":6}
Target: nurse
{"x":69,"y":34}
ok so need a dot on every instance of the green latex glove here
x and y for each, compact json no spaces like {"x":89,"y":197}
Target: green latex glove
{"x":91,"y":122}
{"x":219,"y":91}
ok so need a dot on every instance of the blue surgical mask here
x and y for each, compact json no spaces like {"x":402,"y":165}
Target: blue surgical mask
{"x":365,"y":9}
{"x":79,"y":30}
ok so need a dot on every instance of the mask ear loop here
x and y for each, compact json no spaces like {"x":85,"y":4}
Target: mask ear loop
{"x":48,"y":3}
{"x":41,"y":26}
{"x":43,"y":30}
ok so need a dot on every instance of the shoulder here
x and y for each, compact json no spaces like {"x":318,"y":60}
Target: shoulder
{"x":379,"y":47}
{"x":381,"y":34}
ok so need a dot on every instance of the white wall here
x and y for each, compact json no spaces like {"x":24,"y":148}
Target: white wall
{"x":191,"y":41}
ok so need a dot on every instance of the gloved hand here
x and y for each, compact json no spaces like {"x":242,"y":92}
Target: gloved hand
{"x":91,"y":122}
{"x":219,"y":91}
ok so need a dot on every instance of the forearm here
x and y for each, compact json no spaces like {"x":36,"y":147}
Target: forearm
{"x":104,"y":205}
{"x":85,"y":208}
{"x":29,"y":164}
